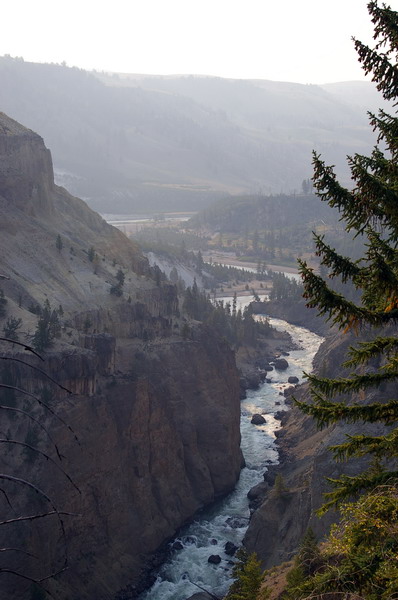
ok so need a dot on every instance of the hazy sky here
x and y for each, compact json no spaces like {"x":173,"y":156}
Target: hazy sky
{"x":307,"y":41}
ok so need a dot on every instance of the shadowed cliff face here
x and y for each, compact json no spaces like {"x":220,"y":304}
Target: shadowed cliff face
{"x":156,"y":416}
{"x":158,"y":440}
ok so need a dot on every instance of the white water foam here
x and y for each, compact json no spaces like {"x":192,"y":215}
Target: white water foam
{"x":228,"y":519}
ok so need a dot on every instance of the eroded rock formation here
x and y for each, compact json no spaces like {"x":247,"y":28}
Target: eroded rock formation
{"x":156,"y":416}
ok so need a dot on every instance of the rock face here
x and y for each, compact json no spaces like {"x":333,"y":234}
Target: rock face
{"x":156,"y":416}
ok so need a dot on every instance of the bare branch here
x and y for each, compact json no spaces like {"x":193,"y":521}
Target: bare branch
{"x":30,"y":485}
{"x":24,"y":412}
{"x":24,"y":346}
{"x":31,"y":579}
{"x":22,"y":391}
{"x":39,"y":516}
{"x":7,"y":499}
{"x":18,"y":550}
{"x":46,"y":456}
{"x":23,"y":362}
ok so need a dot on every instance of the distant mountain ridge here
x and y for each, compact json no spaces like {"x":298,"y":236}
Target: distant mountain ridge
{"x":130,"y":143}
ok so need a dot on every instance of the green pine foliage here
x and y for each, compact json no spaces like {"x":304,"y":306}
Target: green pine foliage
{"x":248,"y":577}
{"x":307,"y":563}
{"x":11,"y":327}
{"x":3,"y":303}
{"x":235,"y":326}
{"x":48,"y":328}
{"x":369,"y":210}
{"x":285,"y":288}
{"x":359,"y":560}
{"x":59,"y":243}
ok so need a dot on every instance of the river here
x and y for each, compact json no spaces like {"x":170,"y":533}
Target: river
{"x":227,"y":520}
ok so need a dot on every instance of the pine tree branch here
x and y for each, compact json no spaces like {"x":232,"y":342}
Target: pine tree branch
{"x":330,"y":191}
{"x":331,"y":387}
{"x":376,"y":198}
{"x":330,"y":303}
{"x":326,"y":413}
{"x":360,"y":445}
{"x":367,"y":350}
{"x":351,"y":486}
{"x":387,"y":128}
{"x":341,"y":265}
{"x":384,"y":73}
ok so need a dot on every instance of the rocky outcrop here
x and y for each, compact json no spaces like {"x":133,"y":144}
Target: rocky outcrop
{"x":150,"y":432}
{"x":155,"y":446}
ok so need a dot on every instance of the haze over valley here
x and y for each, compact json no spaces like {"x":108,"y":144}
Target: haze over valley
{"x":198,"y":300}
{"x":130,"y":144}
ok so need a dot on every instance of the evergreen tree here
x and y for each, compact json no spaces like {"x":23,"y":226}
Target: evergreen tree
{"x":370,"y":210}
{"x":173,"y":275}
{"x":280,"y":488}
{"x":91,"y":253}
{"x":59,"y":243}
{"x":359,"y":559}
{"x":120,"y":277}
{"x":48,"y":327}
{"x":11,"y":328}
{"x":248,"y":577}
{"x":3,"y":303}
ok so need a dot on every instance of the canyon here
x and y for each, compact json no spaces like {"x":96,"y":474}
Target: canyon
{"x":147,"y":420}
{"x":150,"y":428}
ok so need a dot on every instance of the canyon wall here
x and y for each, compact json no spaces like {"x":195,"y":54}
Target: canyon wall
{"x":149,"y":432}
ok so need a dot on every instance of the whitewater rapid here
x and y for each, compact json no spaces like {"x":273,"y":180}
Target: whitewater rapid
{"x":227,"y":520}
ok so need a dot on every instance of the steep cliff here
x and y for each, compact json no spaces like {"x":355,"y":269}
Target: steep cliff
{"x":156,"y":416}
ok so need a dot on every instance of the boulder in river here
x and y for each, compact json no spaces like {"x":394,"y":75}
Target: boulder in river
{"x":258,"y":419}
{"x":214,"y":559}
{"x":213,"y":542}
{"x":230,"y":548}
{"x":177,"y":545}
{"x":257,"y":490}
{"x":281,"y":364}
{"x":293,"y":379}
